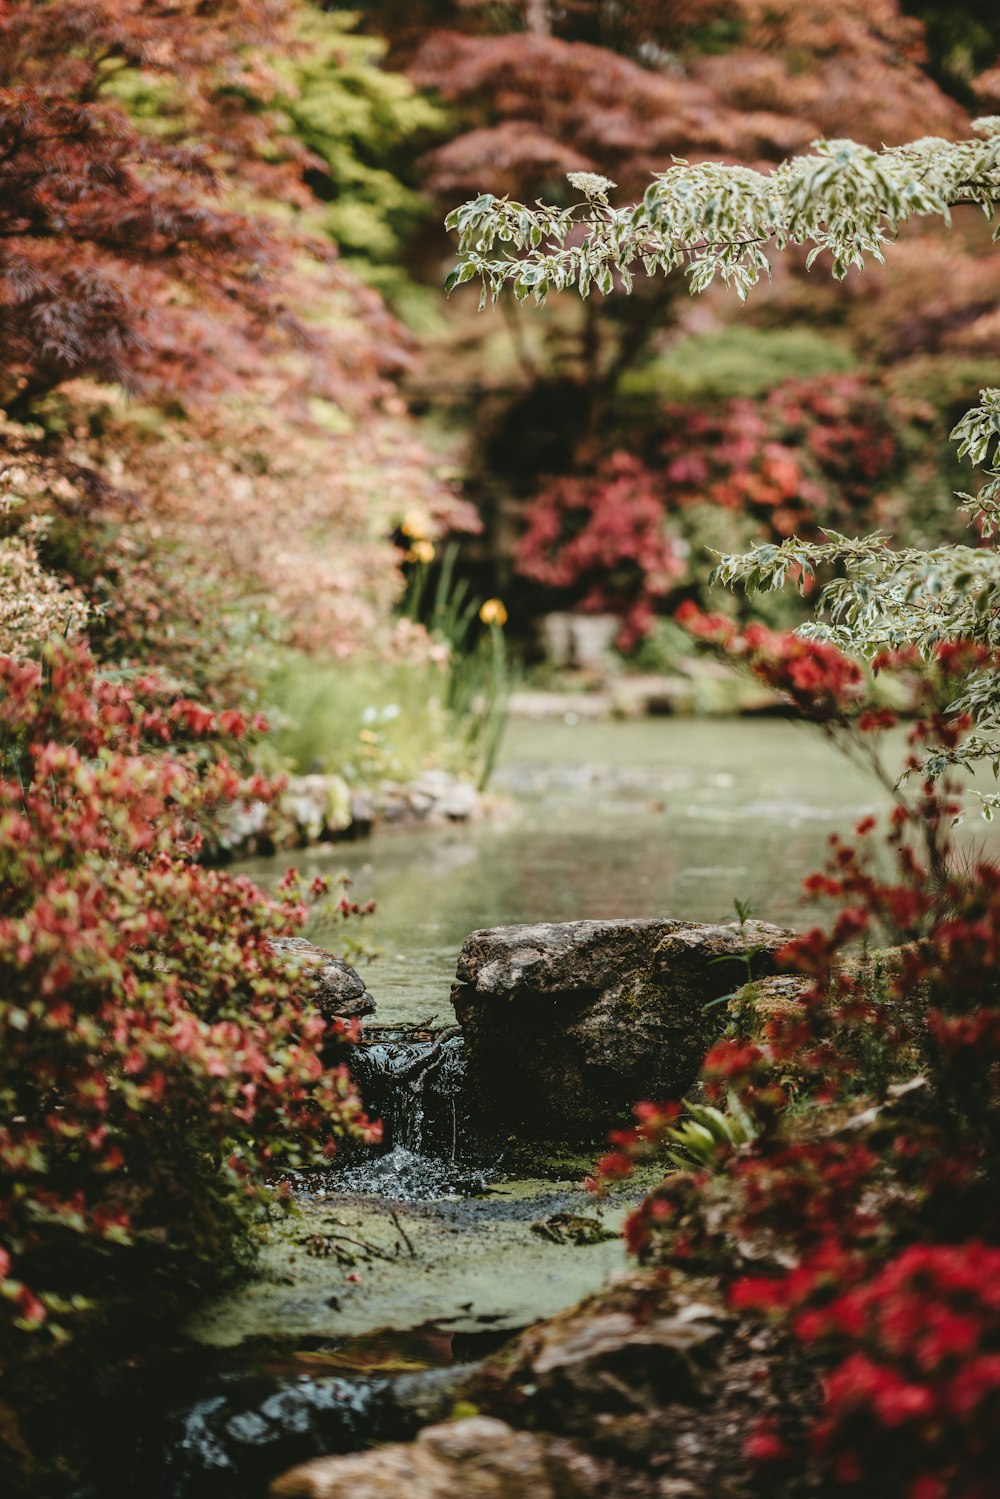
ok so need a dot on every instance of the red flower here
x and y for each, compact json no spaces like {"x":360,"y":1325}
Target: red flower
{"x":764,"y":1445}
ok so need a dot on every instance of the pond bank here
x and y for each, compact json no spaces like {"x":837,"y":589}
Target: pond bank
{"x":321,"y":808}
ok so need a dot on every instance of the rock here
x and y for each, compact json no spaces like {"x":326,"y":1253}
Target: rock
{"x":334,"y":987}
{"x":569,"y":1024}
{"x":567,"y":706}
{"x":324,"y":809}
{"x":319,"y":806}
{"x":478,"y":1457}
{"x":436,"y":797}
{"x":628,"y":1351}
{"x":614,"y":1363}
{"x":580,"y":640}
{"x":753,"y":1005}
{"x":449,"y":798}
{"x":245,"y":825}
{"x":430,"y":1394}
{"x":362,"y":812}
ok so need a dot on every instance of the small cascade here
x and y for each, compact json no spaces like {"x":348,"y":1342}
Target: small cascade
{"x":414,"y":1081}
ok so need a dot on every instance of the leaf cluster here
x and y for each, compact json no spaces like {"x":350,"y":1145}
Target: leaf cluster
{"x":717,"y":223}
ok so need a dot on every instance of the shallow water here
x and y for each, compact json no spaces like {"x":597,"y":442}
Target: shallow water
{"x":398,"y":1268}
{"x":660,"y":817}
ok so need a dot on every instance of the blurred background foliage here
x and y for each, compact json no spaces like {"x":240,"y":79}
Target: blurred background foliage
{"x":283,"y":496}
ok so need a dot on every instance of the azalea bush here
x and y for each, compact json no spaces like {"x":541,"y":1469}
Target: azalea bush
{"x":861,"y":1208}
{"x":812,"y":453}
{"x":602,"y":545}
{"x":630,"y":537}
{"x":915,"y":1394}
{"x":158,"y":1058}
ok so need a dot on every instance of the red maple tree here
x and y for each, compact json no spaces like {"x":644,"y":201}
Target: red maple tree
{"x":158,"y":233}
{"x":619,"y":89}
{"x":115,"y":243}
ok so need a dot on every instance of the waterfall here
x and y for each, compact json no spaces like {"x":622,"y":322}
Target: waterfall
{"x":414,"y":1081}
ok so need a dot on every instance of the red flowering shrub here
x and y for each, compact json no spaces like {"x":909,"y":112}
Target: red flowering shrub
{"x":624,"y":538}
{"x":870,"y":1223}
{"x":812,"y":453}
{"x":915,"y":1400}
{"x":156,"y":1058}
{"x":818,"y":680}
{"x":602,"y":545}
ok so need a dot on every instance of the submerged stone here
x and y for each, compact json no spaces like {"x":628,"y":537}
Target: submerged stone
{"x":569,"y":1024}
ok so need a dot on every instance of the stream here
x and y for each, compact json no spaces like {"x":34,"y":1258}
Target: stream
{"x":402,"y":1267}
{"x":654,"y":817}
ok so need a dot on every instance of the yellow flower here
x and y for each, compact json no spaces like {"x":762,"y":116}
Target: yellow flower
{"x":368,"y":737}
{"x":415,"y":524}
{"x":421,"y":551}
{"x":493,"y":613}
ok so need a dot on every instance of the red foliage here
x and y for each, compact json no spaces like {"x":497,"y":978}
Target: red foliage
{"x":167,"y":253}
{"x":102,"y":223}
{"x":157,"y":1055}
{"x":543,"y":90}
{"x":812,"y":453}
{"x":819,"y":680}
{"x":602,"y":545}
{"x":872,"y":1232}
{"x":120,"y":257}
{"x":916,"y":1399}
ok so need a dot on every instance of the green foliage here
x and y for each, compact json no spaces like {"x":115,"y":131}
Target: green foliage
{"x":367,"y":720}
{"x":963,"y":37}
{"x":737,"y":361}
{"x":356,"y":117}
{"x":377,"y":719}
{"x":716,"y":222}
{"x":707,"y":1136}
{"x":478,"y":668}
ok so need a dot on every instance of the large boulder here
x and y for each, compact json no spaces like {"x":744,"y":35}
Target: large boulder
{"x":332,"y":985}
{"x":569,"y":1024}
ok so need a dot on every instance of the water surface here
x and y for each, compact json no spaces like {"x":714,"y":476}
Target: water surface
{"x":676,"y":817}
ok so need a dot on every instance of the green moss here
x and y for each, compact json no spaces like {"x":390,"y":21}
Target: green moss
{"x":472,"y":1262}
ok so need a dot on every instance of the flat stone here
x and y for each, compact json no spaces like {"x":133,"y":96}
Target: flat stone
{"x":626,"y":1351}
{"x":556,"y":959}
{"x":478,"y":1458}
{"x":332,"y":985}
